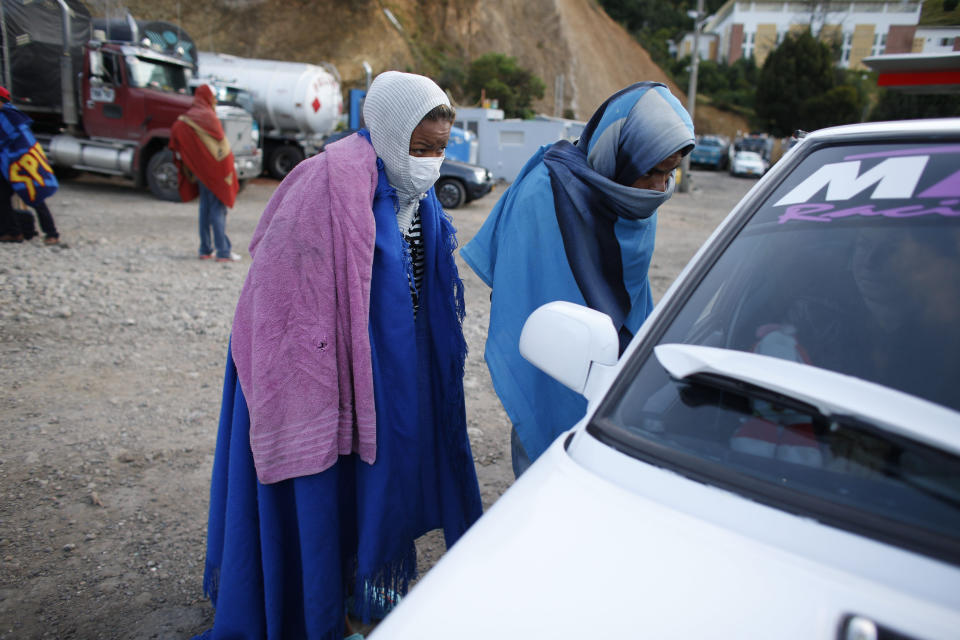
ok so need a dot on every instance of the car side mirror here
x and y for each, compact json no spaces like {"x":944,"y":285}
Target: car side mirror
{"x":573,"y":344}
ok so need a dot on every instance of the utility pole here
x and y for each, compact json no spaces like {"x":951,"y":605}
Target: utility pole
{"x":685,"y":183}
{"x":558,"y":96}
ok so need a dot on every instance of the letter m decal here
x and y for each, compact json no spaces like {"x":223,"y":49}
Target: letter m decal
{"x":894,"y":178}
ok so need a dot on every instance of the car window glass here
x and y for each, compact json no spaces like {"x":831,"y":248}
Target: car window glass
{"x":851,"y":264}
{"x":111,"y":69}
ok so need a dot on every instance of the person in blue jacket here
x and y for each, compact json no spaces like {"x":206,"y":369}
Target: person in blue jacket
{"x":577,"y":224}
{"x":25,"y":172}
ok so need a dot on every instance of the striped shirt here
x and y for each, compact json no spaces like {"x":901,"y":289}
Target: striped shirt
{"x":414,"y":239}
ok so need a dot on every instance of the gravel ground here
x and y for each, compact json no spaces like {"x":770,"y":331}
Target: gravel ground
{"x":112,"y":349}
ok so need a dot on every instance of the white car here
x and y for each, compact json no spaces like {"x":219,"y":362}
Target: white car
{"x":777,"y":452}
{"x":748,"y":163}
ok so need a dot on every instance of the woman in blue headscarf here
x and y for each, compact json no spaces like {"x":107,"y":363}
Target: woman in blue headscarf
{"x":577,"y":224}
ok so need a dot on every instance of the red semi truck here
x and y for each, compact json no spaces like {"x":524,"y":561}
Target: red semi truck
{"x":105,"y":104}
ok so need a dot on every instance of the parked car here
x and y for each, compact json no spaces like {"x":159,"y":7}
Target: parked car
{"x":777,"y":451}
{"x":757,"y":141}
{"x":459,"y":182}
{"x":748,"y":163}
{"x":711,"y":151}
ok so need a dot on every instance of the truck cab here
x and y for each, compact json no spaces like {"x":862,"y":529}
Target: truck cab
{"x":132,"y":92}
{"x":114,"y":97}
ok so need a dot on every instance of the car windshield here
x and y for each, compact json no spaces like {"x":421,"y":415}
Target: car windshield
{"x":851,"y":264}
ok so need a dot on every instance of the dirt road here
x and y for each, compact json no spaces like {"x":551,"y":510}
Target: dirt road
{"x":112,"y":356}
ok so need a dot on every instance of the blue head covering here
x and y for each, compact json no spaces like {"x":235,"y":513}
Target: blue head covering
{"x":632,"y":132}
{"x":569,"y":228}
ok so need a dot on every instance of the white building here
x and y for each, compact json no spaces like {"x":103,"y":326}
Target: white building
{"x":936,"y":40}
{"x":861,"y":28}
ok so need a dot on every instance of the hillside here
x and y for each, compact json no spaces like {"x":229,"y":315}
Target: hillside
{"x":572,"y":38}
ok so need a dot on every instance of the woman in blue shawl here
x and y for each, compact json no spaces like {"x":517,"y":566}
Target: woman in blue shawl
{"x":325,"y":522}
{"x":577,"y":224}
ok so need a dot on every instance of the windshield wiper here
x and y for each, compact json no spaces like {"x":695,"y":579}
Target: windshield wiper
{"x":814,"y":391}
{"x":747,"y":391}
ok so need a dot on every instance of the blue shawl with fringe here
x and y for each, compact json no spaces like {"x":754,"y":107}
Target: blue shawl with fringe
{"x":286,"y":559}
{"x":569,"y":228}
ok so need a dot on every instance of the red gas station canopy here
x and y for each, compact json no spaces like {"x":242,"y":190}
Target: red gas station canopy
{"x":917,"y":72}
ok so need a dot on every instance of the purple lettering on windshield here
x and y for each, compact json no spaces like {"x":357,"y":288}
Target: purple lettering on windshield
{"x":949,"y":187}
{"x":828,"y":212}
{"x":920,"y":151}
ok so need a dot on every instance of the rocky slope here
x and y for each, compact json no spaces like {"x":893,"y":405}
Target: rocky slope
{"x":574,"y":39}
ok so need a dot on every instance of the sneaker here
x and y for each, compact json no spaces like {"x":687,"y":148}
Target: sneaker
{"x":205,"y":256}
{"x":233,"y":258}
{"x":51,"y":240}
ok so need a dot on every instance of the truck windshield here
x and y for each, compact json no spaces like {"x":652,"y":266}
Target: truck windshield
{"x":235,"y":97}
{"x":145,"y":73}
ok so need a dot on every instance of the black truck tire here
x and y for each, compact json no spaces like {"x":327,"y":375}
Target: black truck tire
{"x":451,"y":193}
{"x":162,"y":176}
{"x":283,"y":159}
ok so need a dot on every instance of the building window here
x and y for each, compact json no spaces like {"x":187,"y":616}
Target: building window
{"x":748,"y":45}
{"x":945,"y":42}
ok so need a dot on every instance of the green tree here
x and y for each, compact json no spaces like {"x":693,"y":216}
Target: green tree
{"x":653,"y":23}
{"x":793,"y":83}
{"x":895,"y":105}
{"x":500,"y":78}
{"x":839,"y":105}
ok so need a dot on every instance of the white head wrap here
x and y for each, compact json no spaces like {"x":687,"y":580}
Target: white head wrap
{"x":395,"y":104}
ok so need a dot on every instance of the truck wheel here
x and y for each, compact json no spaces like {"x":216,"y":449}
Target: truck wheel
{"x":450,"y":193}
{"x":283,"y":159}
{"x":162,"y":176}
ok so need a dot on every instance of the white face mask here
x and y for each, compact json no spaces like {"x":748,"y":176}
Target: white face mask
{"x":424,"y":172}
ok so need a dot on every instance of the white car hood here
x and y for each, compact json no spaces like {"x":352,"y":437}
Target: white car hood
{"x":566,"y":553}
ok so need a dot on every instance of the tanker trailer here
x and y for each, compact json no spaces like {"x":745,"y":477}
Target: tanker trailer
{"x":296,"y":104}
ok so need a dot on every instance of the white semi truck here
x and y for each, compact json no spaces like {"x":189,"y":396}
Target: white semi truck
{"x":297,"y":105}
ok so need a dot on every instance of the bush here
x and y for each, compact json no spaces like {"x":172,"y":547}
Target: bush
{"x":499,"y":78}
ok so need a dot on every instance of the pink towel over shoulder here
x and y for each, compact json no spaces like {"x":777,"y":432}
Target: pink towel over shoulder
{"x":300,"y":337}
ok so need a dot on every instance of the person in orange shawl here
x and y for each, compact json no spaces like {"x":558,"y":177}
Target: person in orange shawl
{"x":202,"y":154}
